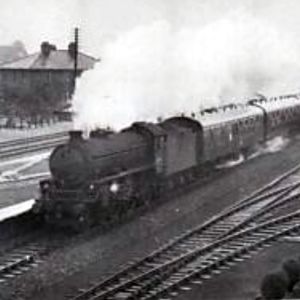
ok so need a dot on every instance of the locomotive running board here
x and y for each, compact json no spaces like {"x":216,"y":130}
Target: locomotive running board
{"x":124,"y":173}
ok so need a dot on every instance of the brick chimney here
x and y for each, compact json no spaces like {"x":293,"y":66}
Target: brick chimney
{"x":46,"y":49}
{"x":72,"y":50}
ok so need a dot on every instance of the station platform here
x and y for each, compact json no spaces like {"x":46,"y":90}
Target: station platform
{"x":19,"y":182}
{"x":16,"y":209}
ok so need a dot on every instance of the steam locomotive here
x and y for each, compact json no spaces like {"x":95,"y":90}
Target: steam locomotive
{"x":99,"y":178}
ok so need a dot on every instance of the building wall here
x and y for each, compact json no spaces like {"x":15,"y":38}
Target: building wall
{"x":24,"y":79}
{"x":35,"y":92}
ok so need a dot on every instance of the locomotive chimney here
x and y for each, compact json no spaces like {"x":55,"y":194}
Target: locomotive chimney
{"x":75,"y":135}
{"x":46,"y":48}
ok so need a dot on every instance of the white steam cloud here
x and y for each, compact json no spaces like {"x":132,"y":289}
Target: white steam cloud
{"x":154,"y":71}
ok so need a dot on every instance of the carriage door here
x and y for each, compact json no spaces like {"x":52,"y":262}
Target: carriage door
{"x":235,"y":138}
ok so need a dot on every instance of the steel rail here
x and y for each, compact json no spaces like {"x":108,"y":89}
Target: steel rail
{"x":22,"y":141}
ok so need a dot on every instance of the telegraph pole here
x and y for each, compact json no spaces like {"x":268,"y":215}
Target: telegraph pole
{"x":76,"y":35}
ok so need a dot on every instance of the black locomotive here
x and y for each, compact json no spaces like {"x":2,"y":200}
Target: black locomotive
{"x":100,"y":177}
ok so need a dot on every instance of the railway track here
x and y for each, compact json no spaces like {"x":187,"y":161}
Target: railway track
{"x":20,"y":260}
{"x":21,"y":245}
{"x":197,"y":265}
{"x":231,"y":222}
{"x":202,"y":263}
{"x":33,"y":144}
{"x":27,"y":251}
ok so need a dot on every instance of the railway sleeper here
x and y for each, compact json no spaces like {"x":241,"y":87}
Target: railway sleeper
{"x":241,"y":216}
{"x":189,"y":244}
{"x":185,"y":288}
{"x":195,"y":281}
{"x":173,"y":294}
{"x":237,"y":244}
{"x":213,"y":258}
{"x":216,"y":230}
{"x":203,"y":264}
{"x":206,"y":276}
{"x":177,"y":276}
{"x":267,"y":231}
{"x":133,"y":288}
{"x":230,"y":263}
{"x":230,"y":248}
{"x":227,"y":225}
{"x":247,"y":239}
{"x":10,"y":275}
{"x":121,"y":296}
{"x":216,"y":272}
{"x":196,"y":239}
{"x":209,"y":235}
{"x":225,"y":251}
{"x":216,"y":257}
{"x":148,"y":266}
{"x":209,"y":267}
{"x":261,"y":234}
{"x":236,"y":217}
{"x":224,"y":267}
{"x":17,"y":272}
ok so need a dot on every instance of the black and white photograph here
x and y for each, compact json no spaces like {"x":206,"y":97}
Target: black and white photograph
{"x":149,"y":149}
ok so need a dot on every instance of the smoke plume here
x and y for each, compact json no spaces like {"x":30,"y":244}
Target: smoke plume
{"x":154,"y":71}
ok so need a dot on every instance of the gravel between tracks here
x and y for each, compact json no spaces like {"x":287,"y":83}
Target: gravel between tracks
{"x":80,"y":264}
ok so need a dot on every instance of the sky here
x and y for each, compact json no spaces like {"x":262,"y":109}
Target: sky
{"x":208,"y":52}
{"x":101,"y":21}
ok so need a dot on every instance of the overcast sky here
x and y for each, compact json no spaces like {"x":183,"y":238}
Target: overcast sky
{"x":102,"y":20}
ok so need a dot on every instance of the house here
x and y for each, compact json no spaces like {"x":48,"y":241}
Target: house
{"x":41,"y":83}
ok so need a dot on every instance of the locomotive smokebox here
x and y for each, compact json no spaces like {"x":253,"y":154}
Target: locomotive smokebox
{"x":75,"y":135}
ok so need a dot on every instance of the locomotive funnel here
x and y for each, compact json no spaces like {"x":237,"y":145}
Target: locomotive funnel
{"x":75,"y":135}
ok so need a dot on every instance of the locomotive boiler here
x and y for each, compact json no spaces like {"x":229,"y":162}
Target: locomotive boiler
{"x":100,"y":178}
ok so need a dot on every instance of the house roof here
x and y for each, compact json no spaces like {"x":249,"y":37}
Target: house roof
{"x":56,"y":60}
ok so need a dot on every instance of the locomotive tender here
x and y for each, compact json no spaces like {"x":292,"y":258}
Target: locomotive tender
{"x":99,"y":178}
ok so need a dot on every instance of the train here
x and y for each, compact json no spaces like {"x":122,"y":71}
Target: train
{"x":100,"y":178}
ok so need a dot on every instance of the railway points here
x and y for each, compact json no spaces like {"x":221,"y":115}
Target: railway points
{"x":24,"y":168}
{"x":200,"y":242}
